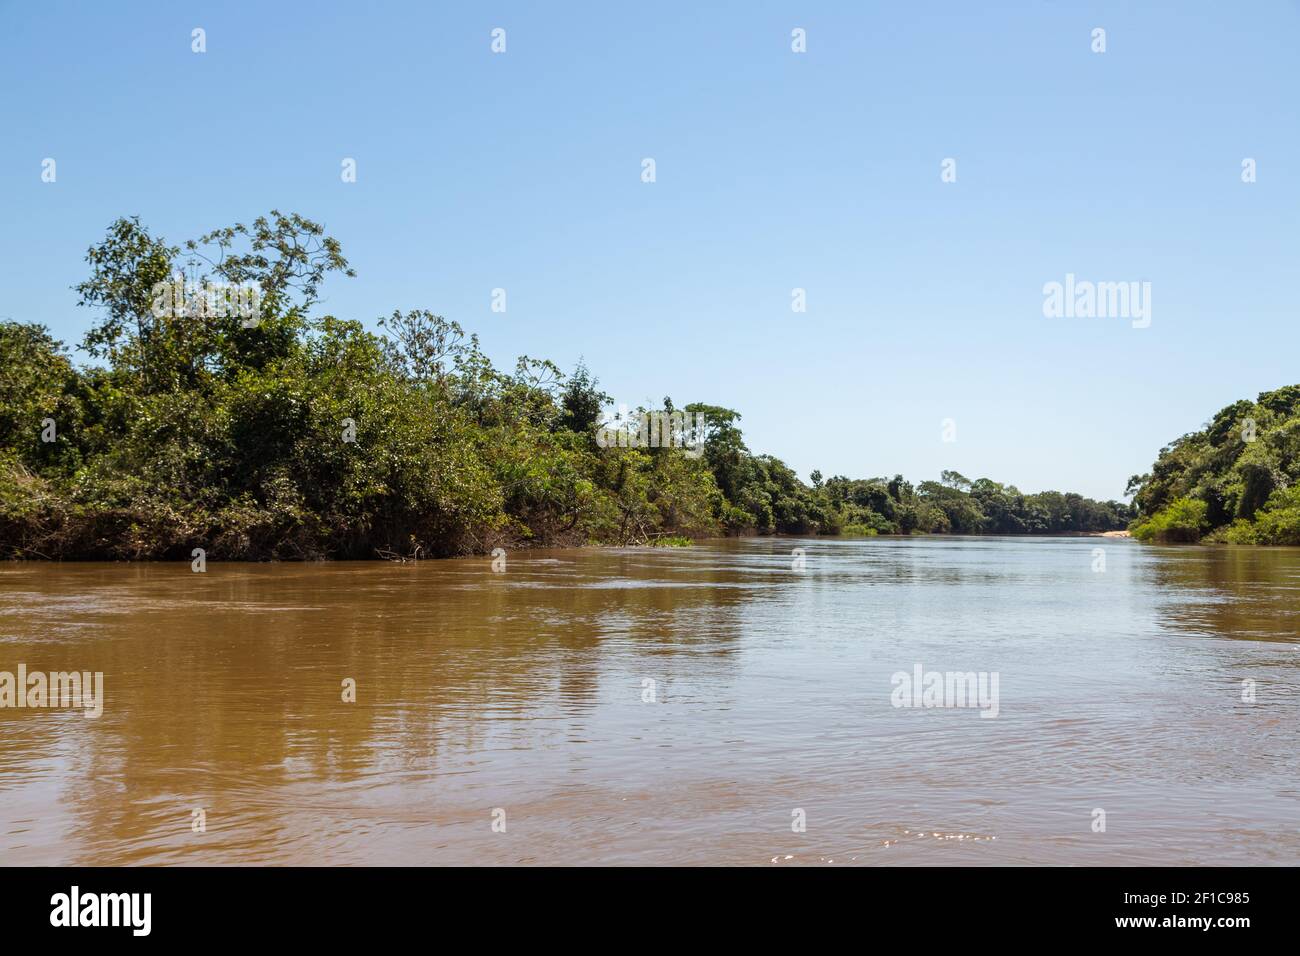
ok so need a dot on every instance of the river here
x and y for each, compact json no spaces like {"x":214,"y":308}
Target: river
{"x":742,"y":701}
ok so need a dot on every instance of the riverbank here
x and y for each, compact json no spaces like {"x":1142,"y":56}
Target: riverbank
{"x":304,"y":436}
{"x":199,"y":556}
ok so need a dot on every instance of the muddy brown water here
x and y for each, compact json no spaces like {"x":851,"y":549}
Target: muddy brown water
{"x":704,"y":705}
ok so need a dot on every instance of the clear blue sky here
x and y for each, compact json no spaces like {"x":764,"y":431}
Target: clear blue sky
{"x":775,"y":170}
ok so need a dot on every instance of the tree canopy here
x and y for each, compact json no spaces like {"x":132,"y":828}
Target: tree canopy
{"x":1234,"y":480}
{"x":295,"y":434}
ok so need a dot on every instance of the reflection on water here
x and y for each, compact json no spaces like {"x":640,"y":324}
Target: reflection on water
{"x":1120,"y":690}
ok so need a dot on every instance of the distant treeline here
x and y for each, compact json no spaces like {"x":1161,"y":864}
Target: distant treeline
{"x":1236,"y":480}
{"x":267,"y":431}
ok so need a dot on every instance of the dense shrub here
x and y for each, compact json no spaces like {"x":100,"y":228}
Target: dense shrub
{"x":1181,"y":521}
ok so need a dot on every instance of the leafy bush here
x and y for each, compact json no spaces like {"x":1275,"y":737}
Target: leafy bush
{"x":859,"y":530}
{"x":1182,"y":521}
{"x":1279,"y":521}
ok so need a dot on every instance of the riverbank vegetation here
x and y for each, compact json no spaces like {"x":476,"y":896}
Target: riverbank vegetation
{"x":305,"y":435}
{"x":1233,"y":481}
